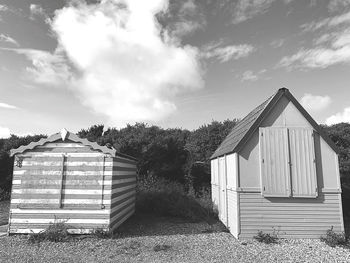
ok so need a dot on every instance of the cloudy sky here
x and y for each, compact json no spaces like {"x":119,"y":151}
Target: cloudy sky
{"x":173,"y":63}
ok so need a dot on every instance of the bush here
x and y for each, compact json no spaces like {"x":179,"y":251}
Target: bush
{"x":4,"y":194}
{"x":334,"y":239}
{"x":56,"y":232}
{"x":266,"y":237}
{"x":162,"y":197}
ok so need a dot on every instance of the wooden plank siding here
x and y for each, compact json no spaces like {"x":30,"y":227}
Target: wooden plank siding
{"x":124,"y":191}
{"x":93,"y":187}
{"x":232,"y":212}
{"x":292,"y":217}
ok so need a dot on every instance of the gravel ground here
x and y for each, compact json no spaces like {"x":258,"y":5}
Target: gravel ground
{"x":159,"y":239}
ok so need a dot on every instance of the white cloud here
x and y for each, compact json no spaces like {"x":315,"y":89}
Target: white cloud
{"x":128,"y":67}
{"x":36,"y":10}
{"x":277,"y":43}
{"x":336,"y":5}
{"x":315,"y":102}
{"x":3,"y":8}
{"x":330,"y":47}
{"x":52,"y":69}
{"x":8,"y":39}
{"x":7,"y":106}
{"x":327,"y":22}
{"x":226,"y":53}
{"x":184,"y":18}
{"x":339,"y":117}
{"x":321,"y":56}
{"x":249,"y":76}
{"x":246,"y":9}
{"x":4,"y":132}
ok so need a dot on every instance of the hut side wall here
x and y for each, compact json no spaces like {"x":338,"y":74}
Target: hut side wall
{"x":215,"y":183}
{"x":123,"y":191}
{"x":41,"y":194}
{"x":294,"y":217}
{"x":229,"y":192}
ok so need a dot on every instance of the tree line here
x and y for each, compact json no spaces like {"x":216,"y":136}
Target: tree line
{"x":175,"y":154}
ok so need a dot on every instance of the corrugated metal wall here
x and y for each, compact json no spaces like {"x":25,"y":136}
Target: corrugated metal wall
{"x":123,"y":191}
{"x":274,"y":158}
{"x":303,"y":162}
{"x":64,"y":181}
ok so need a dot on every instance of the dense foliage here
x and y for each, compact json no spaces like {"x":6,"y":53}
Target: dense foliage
{"x":340,"y":135}
{"x":6,"y":162}
{"x":173,"y":154}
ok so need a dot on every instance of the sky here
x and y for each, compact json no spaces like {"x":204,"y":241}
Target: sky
{"x":172,"y":63}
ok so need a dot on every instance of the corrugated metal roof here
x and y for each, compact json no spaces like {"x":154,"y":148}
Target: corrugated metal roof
{"x":244,"y":128}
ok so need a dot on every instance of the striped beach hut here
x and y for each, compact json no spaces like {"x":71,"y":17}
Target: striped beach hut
{"x":64,"y":178}
{"x":277,"y":169}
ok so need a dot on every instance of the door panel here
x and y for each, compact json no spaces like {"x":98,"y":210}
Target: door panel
{"x":223,"y":191}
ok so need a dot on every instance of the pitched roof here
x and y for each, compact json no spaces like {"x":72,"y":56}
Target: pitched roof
{"x":71,"y":137}
{"x":242,"y":131}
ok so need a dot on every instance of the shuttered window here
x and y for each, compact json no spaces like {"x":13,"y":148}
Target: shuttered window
{"x":287,"y":158}
{"x":274,"y":159}
{"x":303,"y":162}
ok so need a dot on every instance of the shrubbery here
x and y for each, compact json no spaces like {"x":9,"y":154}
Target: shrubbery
{"x":162,"y":197}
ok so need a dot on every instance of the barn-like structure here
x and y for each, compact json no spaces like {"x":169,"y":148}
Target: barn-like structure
{"x":64,"y":178}
{"x":277,"y":169}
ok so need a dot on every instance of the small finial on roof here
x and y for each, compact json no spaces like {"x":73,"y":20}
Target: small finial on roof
{"x":283,"y":89}
{"x":64,"y":134}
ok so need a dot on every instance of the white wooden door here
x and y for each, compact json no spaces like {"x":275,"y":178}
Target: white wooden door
{"x":223,"y":190}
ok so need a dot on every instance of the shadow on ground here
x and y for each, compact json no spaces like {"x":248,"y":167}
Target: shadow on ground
{"x":4,"y":212}
{"x":153,"y":225}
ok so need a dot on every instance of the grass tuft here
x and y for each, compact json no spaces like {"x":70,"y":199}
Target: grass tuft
{"x":334,"y":239}
{"x":158,"y":248}
{"x":56,"y":232}
{"x":267,"y":238}
{"x":101,"y":233}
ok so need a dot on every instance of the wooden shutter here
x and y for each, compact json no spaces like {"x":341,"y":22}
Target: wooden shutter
{"x":303,"y":163}
{"x":274,"y":162}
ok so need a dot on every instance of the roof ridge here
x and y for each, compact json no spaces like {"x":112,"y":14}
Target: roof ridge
{"x":73,"y":137}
